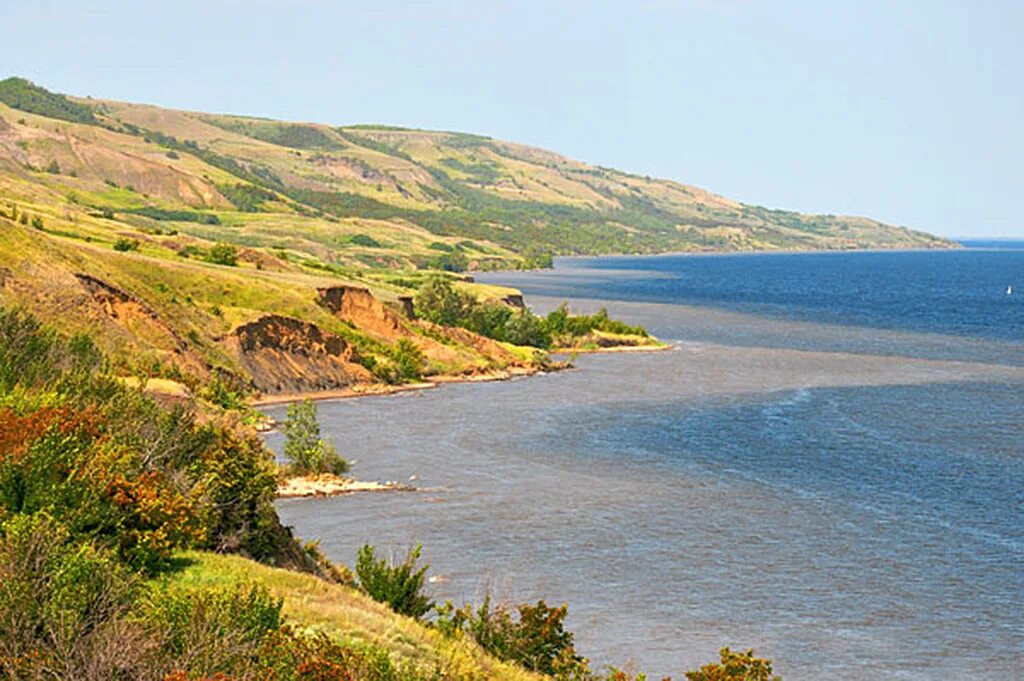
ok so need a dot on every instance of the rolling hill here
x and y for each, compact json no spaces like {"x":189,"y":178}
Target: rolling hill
{"x":215,"y":244}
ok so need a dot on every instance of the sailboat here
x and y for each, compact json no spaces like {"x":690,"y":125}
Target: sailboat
{"x":1009,"y":290}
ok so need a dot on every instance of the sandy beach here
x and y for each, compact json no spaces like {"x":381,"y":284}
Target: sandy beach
{"x":327,"y":485}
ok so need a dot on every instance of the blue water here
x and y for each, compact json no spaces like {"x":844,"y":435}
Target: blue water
{"x":828,"y":467}
{"x":947,"y":292}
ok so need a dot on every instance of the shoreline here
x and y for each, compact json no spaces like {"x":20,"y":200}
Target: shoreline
{"x":383,"y":390}
{"x":329,"y":485}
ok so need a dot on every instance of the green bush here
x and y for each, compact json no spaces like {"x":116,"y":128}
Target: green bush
{"x":162,"y":214}
{"x":364,"y":240}
{"x":437,"y":301}
{"x":246,"y":197}
{"x":400,"y":585}
{"x":223,"y":254}
{"x":123,"y":244}
{"x":58,"y":601}
{"x":237,"y":480}
{"x":217,"y":391}
{"x":306,"y":451}
{"x":212,"y":630}
{"x":525,"y":328}
{"x":560,"y":323}
{"x":455,"y":261}
{"x":408,"y":359}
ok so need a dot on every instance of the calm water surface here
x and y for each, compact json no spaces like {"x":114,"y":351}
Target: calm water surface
{"x":828,"y":466}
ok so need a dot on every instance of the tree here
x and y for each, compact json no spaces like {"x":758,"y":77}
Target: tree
{"x":304,"y":448}
{"x":526,"y":328}
{"x":437,"y":301}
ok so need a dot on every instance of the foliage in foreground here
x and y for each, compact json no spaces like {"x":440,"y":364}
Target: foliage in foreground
{"x":735,"y":666}
{"x":71,"y":611}
{"x":399,"y":585}
{"x":100,"y":487}
{"x":114,"y":467}
{"x":533,"y":636}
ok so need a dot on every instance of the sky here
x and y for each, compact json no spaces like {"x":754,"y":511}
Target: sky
{"x":907,"y":112}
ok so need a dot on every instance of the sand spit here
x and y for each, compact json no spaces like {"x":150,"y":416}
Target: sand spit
{"x":327,"y":485}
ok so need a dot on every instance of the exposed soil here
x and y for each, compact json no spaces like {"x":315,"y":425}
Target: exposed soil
{"x":283,"y":354}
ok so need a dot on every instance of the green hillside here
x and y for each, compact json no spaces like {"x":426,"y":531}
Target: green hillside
{"x":376,"y":196}
{"x":274,"y":257}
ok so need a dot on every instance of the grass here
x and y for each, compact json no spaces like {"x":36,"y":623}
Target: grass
{"x":344,"y":613}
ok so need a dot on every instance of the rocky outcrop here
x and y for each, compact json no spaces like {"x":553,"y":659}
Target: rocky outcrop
{"x":283,"y":354}
{"x":514,"y":300}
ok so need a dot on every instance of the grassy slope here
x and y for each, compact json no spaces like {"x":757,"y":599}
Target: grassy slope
{"x":341,"y":612}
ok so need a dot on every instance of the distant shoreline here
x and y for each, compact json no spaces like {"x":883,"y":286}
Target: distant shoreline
{"x":954,"y":246}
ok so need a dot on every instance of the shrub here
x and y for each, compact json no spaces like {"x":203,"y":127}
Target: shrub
{"x":223,"y":254}
{"x":164,"y":214}
{"x":408,"y":359}
{"x":399,"y":585}
{"x":560,"y":323}
{"x":307,"y":452}
{"x":53,"y":168}
{"x":58,"y":602}
{"x":525,"y":328}
{"x":455,"y":261}
{"x":535,"y":639}
{"x":237,"y":481}
{"x":220,"y":393}
{"x":213,"y":630}
{"x":364,"y":240}
{"x":37,"y":222}
{"x":735,"y":667}
{"x":123,"y":244}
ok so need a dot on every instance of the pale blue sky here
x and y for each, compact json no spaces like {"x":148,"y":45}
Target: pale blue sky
{"x":909,"y":112}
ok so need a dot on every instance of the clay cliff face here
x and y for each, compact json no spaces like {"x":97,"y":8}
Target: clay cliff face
{"x":470,"y":351}
{"x":282,"y":354}
{"x":359,"y":306}
{"x":111,"y":306}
